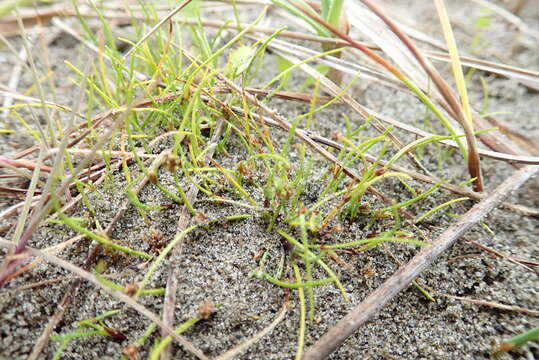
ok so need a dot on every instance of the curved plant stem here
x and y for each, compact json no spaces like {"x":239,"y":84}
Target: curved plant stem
{"x":301,"y":295}
{"x":234,"y":352}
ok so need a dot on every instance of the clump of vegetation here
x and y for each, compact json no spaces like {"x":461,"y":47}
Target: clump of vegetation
{"x":173,"y":109}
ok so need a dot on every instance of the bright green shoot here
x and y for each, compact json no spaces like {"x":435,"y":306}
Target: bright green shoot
{"x":95,"y":325}
{"x":517,"y":341}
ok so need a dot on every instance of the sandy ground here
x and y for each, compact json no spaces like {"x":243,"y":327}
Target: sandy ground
{"x":216,"y":263}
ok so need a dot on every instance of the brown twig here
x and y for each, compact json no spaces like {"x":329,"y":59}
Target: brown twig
{"x":518,"y":138}
{"x":25,"y":164}
{"x":172,"y":279}
{"x":371,"y":305}
{"x":496,"y":305}
{"x":514,"y":260}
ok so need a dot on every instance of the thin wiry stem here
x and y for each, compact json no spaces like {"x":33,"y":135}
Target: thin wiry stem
{"x":176,"y":10}
{"x":234,"y":352}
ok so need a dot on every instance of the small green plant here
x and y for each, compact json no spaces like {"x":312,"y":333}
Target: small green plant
{"x":90,"y":327}
{"x":479,"y":42}
{"x":517,"y":341}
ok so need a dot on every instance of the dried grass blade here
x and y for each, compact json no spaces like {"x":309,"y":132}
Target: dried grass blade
{"x":526,"y":77}
{"x":496,"y":305}
{"x":456,"y":66}
{"x":232,"y":353}
{"x":473,"y":161}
